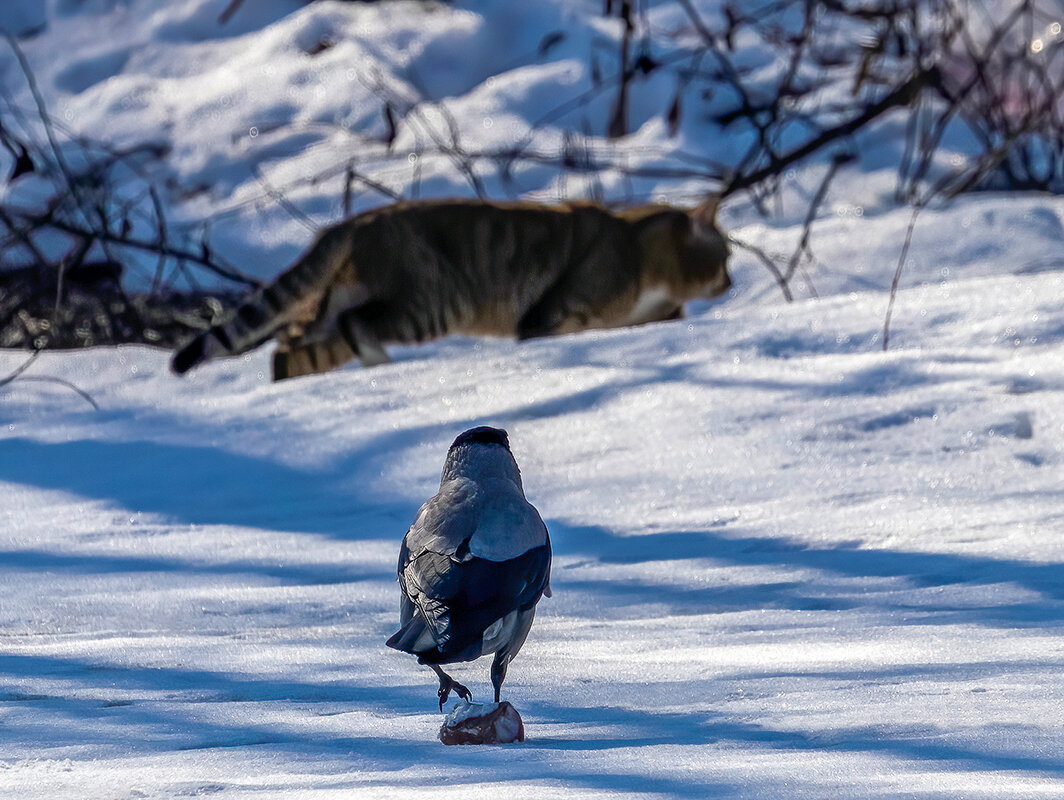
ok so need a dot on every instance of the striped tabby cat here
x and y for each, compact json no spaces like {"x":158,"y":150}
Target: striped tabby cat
{"x":415,"y":271}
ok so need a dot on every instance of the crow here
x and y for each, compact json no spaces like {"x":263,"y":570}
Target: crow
{"x":473,"y":565}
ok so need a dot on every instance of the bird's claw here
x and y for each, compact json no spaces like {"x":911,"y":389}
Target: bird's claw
{"x":449,"y":684}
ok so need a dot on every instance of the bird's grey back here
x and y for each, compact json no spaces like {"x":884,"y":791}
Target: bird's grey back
{"x":480,"y":506}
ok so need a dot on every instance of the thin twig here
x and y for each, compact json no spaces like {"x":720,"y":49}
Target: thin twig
{"x":25,"y":365}
{"x":230,"y":9}
{"x":814,"y":207}
{"x":17,"y":374}
{"x":46,"y":120}
{"x":297,"y":214}
{"x":897,"y":275}
{"x":49,"y":379}
{"x":765,"y":259}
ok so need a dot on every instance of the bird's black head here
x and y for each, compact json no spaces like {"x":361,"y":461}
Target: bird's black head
{"x":481,"y":454}
{"x":482,"y":435}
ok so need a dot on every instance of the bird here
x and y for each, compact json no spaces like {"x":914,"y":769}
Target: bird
{"x":473,"y":565}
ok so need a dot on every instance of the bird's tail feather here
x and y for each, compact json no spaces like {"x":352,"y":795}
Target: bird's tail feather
{"x":413,"y":637}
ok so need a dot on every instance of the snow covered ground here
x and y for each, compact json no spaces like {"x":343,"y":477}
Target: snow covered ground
{"x":787,"y":564}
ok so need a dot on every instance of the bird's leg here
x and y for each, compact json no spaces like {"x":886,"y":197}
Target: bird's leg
{"x":498,"y":673}
{"x":447,"y":683}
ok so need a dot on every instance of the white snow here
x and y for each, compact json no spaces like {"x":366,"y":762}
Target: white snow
{"x":787,"y":564}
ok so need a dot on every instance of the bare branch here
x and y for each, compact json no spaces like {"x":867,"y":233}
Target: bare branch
{"x":897,"y":275}
{"x":900,"y":96}
{"x":17,"y":374}
{"x":230,"y":9}
{"x":814,"y":206}
{"x":63,"y":382}
{"x":25,"y":365}
{"x":765,"y":259}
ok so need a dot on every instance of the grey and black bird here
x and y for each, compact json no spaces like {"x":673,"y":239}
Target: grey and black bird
{"x":473,"y":565}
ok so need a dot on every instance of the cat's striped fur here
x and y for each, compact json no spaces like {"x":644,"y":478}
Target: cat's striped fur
{"x":415,"y":271}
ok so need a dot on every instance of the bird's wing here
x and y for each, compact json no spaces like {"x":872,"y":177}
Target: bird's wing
{"x":446,"y":520}
{"x":427,"y":580}
{"x":507,"y":525}
{"x":458,"y":580}
{"x":457,"y":601}
{"x":427,"y":561}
